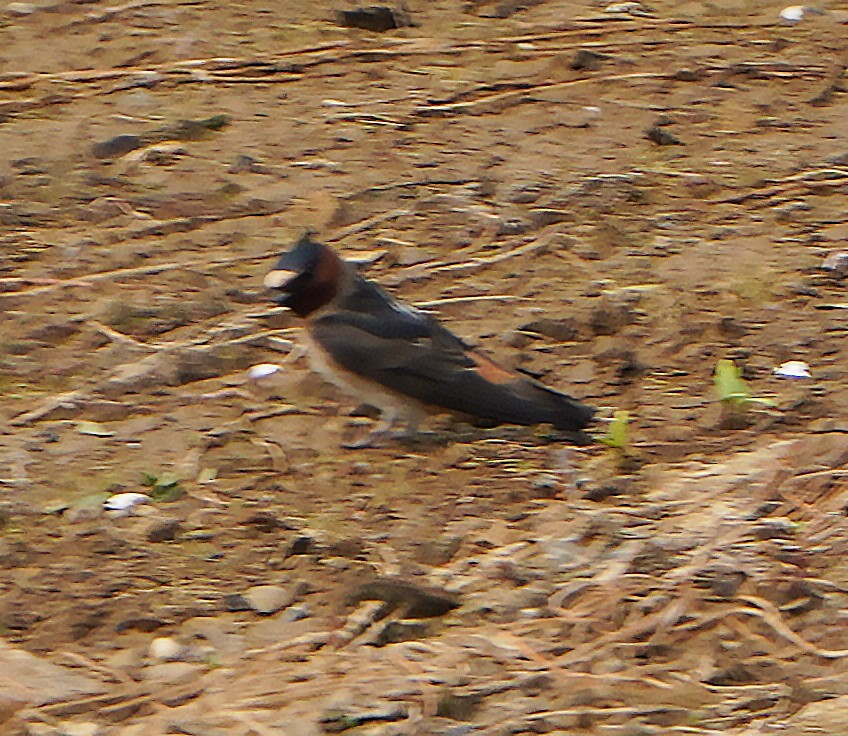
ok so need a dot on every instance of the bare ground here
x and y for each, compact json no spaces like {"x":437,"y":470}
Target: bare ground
{"x":614,"y":200}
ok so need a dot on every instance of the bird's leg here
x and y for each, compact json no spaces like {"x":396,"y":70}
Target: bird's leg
{"x":410,"y":431}
{"x":298,"y":351}
{"x":383,"y":429}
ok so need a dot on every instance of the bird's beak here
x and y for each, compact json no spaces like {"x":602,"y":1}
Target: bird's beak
{"x":278,"y":278}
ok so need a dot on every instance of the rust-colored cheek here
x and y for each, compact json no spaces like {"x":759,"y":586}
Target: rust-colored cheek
{"x":328,"y":270}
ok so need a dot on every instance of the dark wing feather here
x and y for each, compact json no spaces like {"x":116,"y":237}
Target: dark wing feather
{"x":431,"y":365}
{"x":376,"y":312}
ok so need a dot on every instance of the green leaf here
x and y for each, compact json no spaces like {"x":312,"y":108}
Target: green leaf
{"x":165,"y":487}
{"x":618,"y":435}
{"x":169,"y":492}
{"x":167,"y":479}
{"x":729,"y":384}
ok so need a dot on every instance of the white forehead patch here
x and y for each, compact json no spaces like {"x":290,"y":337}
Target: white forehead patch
{"x":276,"y":279}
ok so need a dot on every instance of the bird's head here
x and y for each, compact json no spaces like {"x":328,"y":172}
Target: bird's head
{"x":307,"y":277}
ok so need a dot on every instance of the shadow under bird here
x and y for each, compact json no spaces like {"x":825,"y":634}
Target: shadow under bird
{"x":400,"y":359}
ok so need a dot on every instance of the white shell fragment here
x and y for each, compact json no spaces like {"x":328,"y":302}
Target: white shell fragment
{"x":124,"y":502}
{"x":793,"y":13}
{"x":263,"y":370}
{"x":793,"y":369}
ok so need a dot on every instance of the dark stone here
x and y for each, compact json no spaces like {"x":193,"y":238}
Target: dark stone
{"x":839,"y":159}
{"x":545,"y":216}
{"x":335,"y":720}
{"x":164,"y":531}
{"x":724,"y":584}
{"x":437,"y":552}
{"x":774,"y":528}
{"x":145,"y":624}
{"x":300,"y":545}
{"x":263,"y":521}
{"x":662,"y":137}
{"x":619,"y":486}
{"x":351,"y":548}
{"x":561,"y":330}
{"x":629,"y":368}
{"x":458,"y":707}
{"x":513,"y":226}
{"x":236,"y":602}
{"x":730,"y":327}
{"x":608,"y":319}
{"x":243,"y":163}
{"x":376,"y":18}
{"x":509,"y":8}
{"x":586,"y":60}
{"x":687,"y":75}
{"x":546,"y":486}
{"x":117,"y":146}
{"x":393,"y":632}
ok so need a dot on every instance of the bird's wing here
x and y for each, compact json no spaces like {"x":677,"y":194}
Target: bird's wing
{"x":424,"y":361}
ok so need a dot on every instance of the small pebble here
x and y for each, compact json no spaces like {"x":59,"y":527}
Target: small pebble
{"x":164,"y":648}
{"x":296,"y":613}
{"x":123,"y":503}
{"x":263,"y":370}
{"x":546,"y":486}
{"x":793,"y":369}
{"x":117,"y":146}
{"x":21,"y":8}
{"x":235,"y":603}
{"x":376,"y":18}
{"x":165,"y":530}
{"x":836,"y":262}
{"x":268,"y":599}
{"x":793,"y":13}
{"x":629,"y":8}
{"x":662,"y":137}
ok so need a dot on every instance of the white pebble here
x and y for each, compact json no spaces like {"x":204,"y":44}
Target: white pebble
{"x":21,"y":8}
{"x":793,"y":369}
{"x":630,"y":8}
{"x":124,"y":502}
{"x":165,"y":648}
{"x":793,"y":13}
{"x":263,"y":370}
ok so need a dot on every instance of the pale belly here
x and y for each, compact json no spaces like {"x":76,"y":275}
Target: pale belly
{"x":391,"y":404}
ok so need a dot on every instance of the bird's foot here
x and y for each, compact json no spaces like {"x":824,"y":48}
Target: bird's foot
{"x":372,"y":439}
{"x":363,"y":443}
{"x":386,"y":431}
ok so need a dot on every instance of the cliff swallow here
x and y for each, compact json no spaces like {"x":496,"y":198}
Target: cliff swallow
{"x":399,"y":359}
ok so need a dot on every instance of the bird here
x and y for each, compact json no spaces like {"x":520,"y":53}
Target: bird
{"x":400,"y":359}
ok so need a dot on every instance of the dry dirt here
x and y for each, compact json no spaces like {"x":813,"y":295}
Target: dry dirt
{"x":615,"y":198}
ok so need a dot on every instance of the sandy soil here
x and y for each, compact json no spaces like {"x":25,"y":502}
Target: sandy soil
{"x":615,"y":198}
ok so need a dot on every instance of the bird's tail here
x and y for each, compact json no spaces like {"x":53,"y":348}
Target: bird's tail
{"x":545,"y":405}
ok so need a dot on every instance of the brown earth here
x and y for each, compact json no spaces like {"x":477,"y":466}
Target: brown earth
{"x":615,"y":198}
